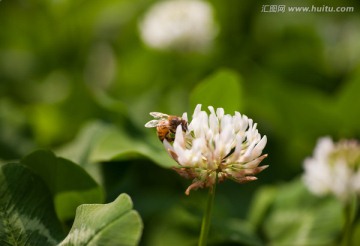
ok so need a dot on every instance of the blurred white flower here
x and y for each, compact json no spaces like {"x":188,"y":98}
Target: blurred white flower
{"x":179,"y":25}
{"x":216,"y":147}
{"x":333,"y":169}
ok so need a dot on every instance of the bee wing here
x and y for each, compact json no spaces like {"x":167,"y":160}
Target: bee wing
{"x":152,"y":123}
{"x":158,"y":115}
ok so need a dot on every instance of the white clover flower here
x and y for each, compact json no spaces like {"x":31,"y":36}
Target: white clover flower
{"x":179,"y":25}
{"x":334,"y":168}
{"x":216,"y":147}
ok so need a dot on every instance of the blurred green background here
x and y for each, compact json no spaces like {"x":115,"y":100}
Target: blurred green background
{"x":76,"y":78}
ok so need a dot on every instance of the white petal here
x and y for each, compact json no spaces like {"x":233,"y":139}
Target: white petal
{"x":323,"y":147}
{"x":220,"y":112}
{"x":197,"y":110}
{"x":226,"y":121}
{"x":341,"y":185}
{"x":238,"y":148}
{"x":212,"y":110}
{"x":213,"y":123}
{"x":167,"y":145}
{"x":259,"y":148}
{"x":179,"y":136}
{"x":184,"y":116}
{"x":317,"y":176}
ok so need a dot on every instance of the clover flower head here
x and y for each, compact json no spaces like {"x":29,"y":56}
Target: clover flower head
{"x":217,"y":146}
{"x":180,"y":25}
{"x":334,"y":168}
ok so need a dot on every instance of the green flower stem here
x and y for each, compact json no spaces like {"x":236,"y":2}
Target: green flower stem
{"x":205,"y":226}
{"x":350,"y":210}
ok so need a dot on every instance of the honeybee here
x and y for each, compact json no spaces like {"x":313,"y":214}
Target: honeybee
{"x":166,"y":125}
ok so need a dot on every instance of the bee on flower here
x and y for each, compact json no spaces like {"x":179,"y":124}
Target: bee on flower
{"x":216,"y":146}
{"x":166,"y":125}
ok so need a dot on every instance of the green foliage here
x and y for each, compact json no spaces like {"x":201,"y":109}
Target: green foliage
{"x":117,"y":145}
{"x":294,"y":216}
{"x":76,"y":78}
{"x":175,"y":226}
{"x":69,"y":184}
{"x":114,"y":223}
{"x":27,"y":210}
{"x":261,"y":204}
{"x":27,"y":215}
{"x":346,"y":101}
{"x":234,"y":230}
{"x":99,"y":142}
{"x":222,"y":89}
